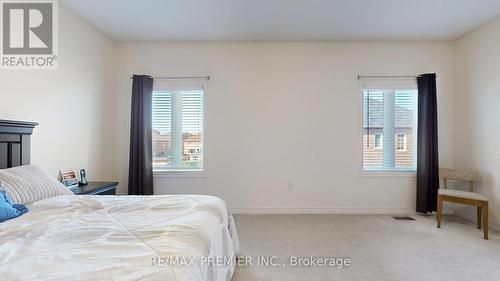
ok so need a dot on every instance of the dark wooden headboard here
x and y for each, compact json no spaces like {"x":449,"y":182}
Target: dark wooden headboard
{"x":15,"y":143}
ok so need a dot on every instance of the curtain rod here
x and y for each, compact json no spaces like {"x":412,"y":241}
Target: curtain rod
{"x":180,"y":77}
{"x":389,"y":76}
{"x":386,"y":76}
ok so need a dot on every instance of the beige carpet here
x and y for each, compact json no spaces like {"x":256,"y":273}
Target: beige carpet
{"x":379,"y":247}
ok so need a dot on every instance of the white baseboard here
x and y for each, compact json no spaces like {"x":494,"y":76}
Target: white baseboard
{"x":472,"y":217}
{"x":321,"y":210}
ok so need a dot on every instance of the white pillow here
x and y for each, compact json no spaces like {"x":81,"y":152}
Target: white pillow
{"x":27,"y":184}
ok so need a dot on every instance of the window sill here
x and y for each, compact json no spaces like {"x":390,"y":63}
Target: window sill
{"x":180,"y":174}
{"x":388,"y":174}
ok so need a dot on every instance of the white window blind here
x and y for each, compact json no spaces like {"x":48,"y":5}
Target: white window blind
{"x":389,"y":125}
{"x":178,"y":129}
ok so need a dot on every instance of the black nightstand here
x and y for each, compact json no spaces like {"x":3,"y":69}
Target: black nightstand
{"x":96,"y":188}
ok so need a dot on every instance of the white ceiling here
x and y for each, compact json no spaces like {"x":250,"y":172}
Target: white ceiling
{"x":284,"y":20}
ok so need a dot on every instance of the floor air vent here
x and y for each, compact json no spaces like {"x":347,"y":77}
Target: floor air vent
{"x":404,"y":218}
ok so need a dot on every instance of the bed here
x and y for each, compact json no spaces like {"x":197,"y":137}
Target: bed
{"x":85,"y":237}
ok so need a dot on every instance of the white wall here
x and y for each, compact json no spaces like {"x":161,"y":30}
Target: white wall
{"x":283,"y":120}
{"x":297,"y":103}
{"x":477,"y":112}
{"x":74,"y":104}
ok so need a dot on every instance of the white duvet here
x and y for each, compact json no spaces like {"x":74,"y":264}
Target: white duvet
{"x":118,"y":238}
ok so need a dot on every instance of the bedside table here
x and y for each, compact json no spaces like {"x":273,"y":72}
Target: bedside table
{"x":96,"y":188}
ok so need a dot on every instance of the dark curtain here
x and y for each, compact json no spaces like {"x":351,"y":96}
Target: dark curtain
{"x":427,"y":144}
{"x":140,"y":173}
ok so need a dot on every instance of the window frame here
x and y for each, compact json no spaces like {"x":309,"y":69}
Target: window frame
{"x":395,"y":84}
{"x":175,"y":86}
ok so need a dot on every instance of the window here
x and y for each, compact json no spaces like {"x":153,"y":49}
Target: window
{"x":178,"y":129}
{"x":389,"y":126}
{"x":401,"y":142}
{"x":378,"y":141}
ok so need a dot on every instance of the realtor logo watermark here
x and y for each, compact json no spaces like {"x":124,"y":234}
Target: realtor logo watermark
{"x":29,"y":34}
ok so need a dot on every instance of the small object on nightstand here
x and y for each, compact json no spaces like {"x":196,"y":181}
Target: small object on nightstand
{"x":95,"y":188}
{"x":68,"y":178}
{"x":83,"y":177}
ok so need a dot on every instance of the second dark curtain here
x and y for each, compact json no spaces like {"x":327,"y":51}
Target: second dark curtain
{"x":427,"y":144}
{"x":140,"y":176}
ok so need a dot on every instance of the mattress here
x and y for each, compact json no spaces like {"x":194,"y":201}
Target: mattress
{"x":120,"y":238}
